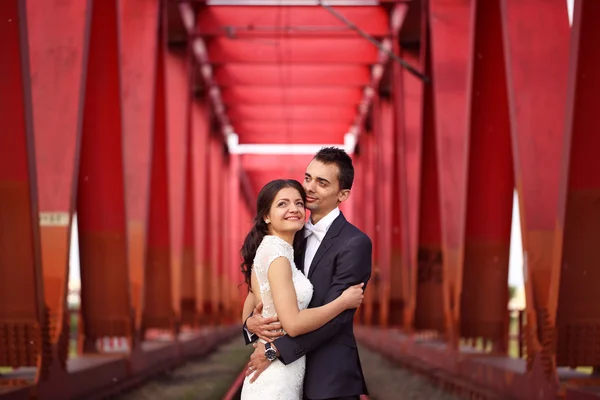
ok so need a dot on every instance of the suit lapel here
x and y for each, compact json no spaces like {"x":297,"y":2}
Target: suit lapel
{"x":332,"y":232}
{"x":299,"y":250}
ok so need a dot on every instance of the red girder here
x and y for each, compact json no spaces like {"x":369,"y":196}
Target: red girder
{"x":292,"y":75}
{"x":291,"y":96}
{"x":291,"y":50}
{"x":299,"y":113}
{"x":256,"y":21}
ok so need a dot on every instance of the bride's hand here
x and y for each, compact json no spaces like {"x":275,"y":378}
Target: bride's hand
{"x":353,"y":296}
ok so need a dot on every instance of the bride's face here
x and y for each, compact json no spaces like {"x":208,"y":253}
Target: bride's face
{"x":287,"y":213}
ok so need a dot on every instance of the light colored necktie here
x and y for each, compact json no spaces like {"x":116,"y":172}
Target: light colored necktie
{"x":310,"y":229}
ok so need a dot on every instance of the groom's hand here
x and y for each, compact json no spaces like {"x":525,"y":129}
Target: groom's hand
{"x":268,"y":329}
{"x":258,"y":361}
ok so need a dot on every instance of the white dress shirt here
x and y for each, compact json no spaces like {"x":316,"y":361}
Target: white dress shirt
{"x":315,"y":234}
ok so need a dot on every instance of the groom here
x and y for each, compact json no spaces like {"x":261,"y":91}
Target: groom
{"x":335,"y":255}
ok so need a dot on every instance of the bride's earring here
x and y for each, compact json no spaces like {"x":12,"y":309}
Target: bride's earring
{"x":267,"y":222}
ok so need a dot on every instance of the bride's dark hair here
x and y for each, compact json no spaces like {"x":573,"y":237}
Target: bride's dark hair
{"x":259,"y":228}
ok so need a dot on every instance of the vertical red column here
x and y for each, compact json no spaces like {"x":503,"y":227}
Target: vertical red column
{"x":236,"y":214}
{"x":57,"y":70}
{"x":408,"y":102}
{"x":370,"y":224}
{"x":158,"y":310}
{"x":490,"y":189}
{"x":199,"y":148}
{"x":226,"y":215}
{"x":429,"y":311}
{"x":138,"y":43}
{"x":387,"y":213}
{"x":576,"y":244}
{"x":452,"y":31}
{"x":177,"y":78}
{"x":22,"y":310}
{"x":536,"y":65}
{"x":215,"y":225}
{"x":101,"y":197}
{"x":188,"y":261}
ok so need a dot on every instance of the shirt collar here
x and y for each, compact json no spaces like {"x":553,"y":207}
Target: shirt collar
{"x":327,"y":220}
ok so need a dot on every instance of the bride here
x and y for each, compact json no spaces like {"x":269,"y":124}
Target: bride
{"x":283,"y":289}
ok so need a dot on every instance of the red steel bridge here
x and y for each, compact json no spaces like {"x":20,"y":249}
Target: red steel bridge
{"x":157,"y":122}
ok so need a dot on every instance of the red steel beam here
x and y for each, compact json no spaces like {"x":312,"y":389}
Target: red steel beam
{"x":386,"y":213}
{"x":22,"y":310}
{"x":189,"y":251}
{"x":101,"y":197}
{"x":284,"y":130}
{"x":395,"y":23}
{"x":291,"y":113}
{"x":234,"y":238}
{"x":158,"y":308}
{"x":452,"y":32}
{"x":577,"y":311}
{"x":289,"y":96}
{"x":537,"y":85}
{"x":215,"y":220}
{"x":178,"y":97}
{"x":262,"y":162}
{"x":198,"y":49}
{"x":408,"y":99}
{"x":490,"y":189}
{"x":428,"y":281}
{"x":258,"y":21}
{"x":299,"y":75}
{"x":58,"y":63}
{"x":200,"y":153}
{"x":292,"y":50}
{"x":138,"y":39}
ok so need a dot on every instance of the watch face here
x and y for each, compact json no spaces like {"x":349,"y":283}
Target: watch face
{"x":270,"y":354}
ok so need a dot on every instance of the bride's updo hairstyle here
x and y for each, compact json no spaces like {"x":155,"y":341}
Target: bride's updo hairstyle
{"x":260,"y":228}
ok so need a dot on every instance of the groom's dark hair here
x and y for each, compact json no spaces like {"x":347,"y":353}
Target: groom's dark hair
{"x":334,"y":155}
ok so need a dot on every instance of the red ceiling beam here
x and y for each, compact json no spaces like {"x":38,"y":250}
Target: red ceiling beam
{"x":262,"y":162}
{"x":321,"y":130}
{"x":295,"y":136}
{"x":396,"y":20}
{"x":291,"y":113}
{"x":260,"y":21}
{"x":292,"y":75}
{"x":188,"y":18}
{"x":275,"y":51}
{"x":291,"y":96}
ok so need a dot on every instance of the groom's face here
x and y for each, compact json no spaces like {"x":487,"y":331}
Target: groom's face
{"x":322,"y":187}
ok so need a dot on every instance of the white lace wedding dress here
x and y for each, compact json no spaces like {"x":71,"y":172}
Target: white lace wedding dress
{"x":278,"y":381}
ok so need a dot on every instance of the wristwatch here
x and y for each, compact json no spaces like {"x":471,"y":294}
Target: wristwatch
{"x":270,"y":352}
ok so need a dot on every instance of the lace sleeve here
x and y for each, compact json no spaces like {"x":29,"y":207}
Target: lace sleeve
{"x":270,"y":249}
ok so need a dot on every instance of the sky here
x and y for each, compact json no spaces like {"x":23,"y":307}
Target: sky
{"x":515,"y":274}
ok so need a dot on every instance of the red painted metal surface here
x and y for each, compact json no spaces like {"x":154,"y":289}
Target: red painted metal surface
{"x":200,"y":151}
{"x":292,"y":50}
{"x":253,"y":21}
{"x":490,"y":189}
{"x":452,"y":31}
{"x":158,"y":308}
{"x":299,"y":113}
{"x":178,"y":92}
{"x":428,"y":299}
{"x":292,"y":75}
{"x":576,"y":256}
{"x":58,"y":63}
{"x":101,"y":197}
{"x":24,"y":324}
{"x":408,"y":101}
{"x":189,"y":253}
{"x":537,"y":84}
{"x":138,"y":40}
